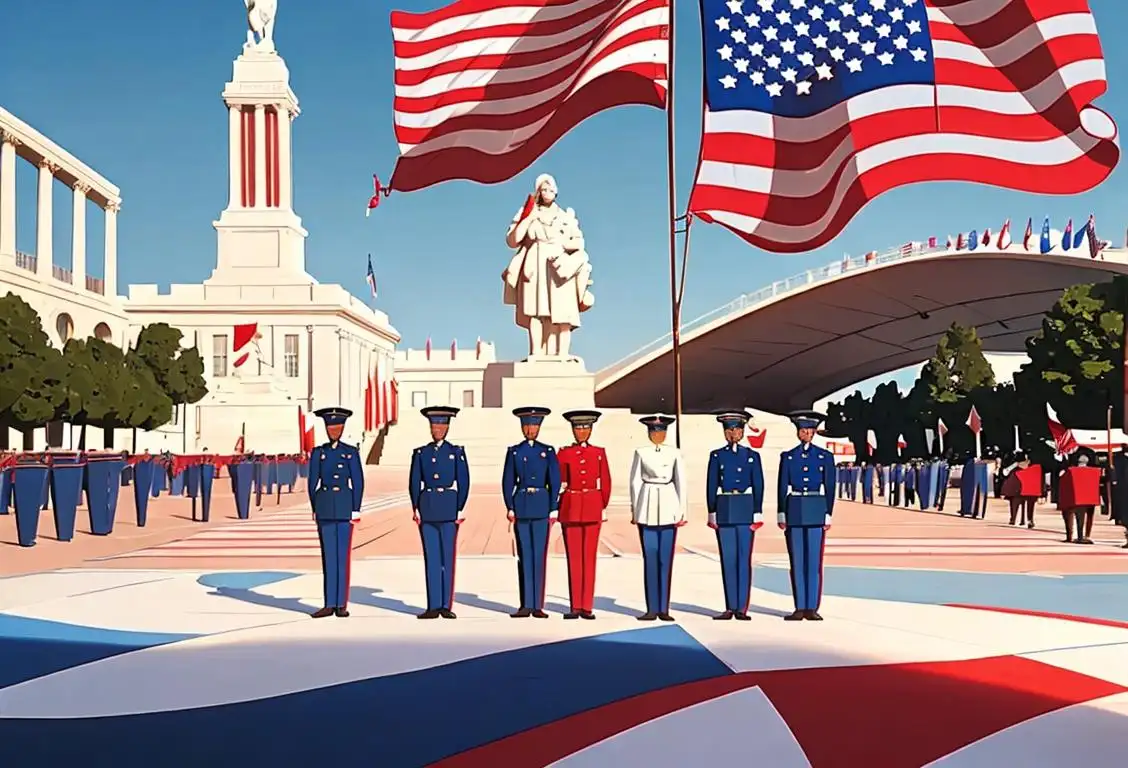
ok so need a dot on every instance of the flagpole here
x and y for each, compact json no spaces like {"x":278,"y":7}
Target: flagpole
{"x":672,"y":201}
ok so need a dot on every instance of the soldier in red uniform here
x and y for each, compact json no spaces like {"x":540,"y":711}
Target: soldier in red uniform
{"x":586,"y":482}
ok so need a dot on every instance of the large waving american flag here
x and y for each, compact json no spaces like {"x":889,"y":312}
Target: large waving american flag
{"x":815,"y":107}
{"x":484,"y":87}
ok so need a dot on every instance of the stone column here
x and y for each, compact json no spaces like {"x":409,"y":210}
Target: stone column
{"x":235,"y":143}
{"x":109,"y":269}
{"x":260,"y":156}
{"x":78,"y":237}
{"x":43,"y":220}
{"x":285,"y":160}
{"x":8,"y":144}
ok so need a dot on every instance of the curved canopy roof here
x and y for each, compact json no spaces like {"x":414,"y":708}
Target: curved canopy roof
{"x":796,"y":346}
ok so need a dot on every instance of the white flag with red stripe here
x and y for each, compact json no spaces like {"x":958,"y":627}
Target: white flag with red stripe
{"x":941,"y":427}
{"x":871,"y":440}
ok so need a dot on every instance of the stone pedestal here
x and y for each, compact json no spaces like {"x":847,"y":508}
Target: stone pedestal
{"x":552,"y":382}
{"x":255,"y":406}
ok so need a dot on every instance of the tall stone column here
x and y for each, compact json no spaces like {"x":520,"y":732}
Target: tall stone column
{"x":78,"y":237}
{"x":260,"y":156}
{"x":109,"y":268}
{"x":235,"y":155}
{"x":43,"y":220}
{"x":8,"y":144}
{"x":285,"y":160}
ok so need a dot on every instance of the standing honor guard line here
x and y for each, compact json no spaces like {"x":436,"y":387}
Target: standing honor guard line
{"x":806,"y":501}
{"x":658,"y":507}
{"x":530,"y":487}
{"x":439,"y":487}
{"x":336,"y":492}
{"x":585,"y":478}
{"x":734,"y":493}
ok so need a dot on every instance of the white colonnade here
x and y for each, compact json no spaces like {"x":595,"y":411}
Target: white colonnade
{"x":18,"y":141}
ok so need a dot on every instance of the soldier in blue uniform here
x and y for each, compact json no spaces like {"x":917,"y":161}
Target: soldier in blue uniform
{"x":734,"y":496}
{"x":439,"y":485}
{"x":336,"y":490}
{"x":530,"y":487}
{"x":806,"y":501}
{"x":853,"y":475}
{"x":868,"y":476}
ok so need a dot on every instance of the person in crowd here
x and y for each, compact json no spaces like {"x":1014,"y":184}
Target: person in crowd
{"x":1119,"y":495}
{"x":1080,"y":493}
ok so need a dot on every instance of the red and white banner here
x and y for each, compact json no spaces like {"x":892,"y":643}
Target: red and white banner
{"x":974,"y":423}
{"x":244,"y":335}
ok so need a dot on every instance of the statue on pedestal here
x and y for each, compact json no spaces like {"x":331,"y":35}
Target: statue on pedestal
{"x":260,"y":22}
{"x":547,"y":279}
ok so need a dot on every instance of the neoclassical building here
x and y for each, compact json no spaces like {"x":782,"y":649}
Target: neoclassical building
{"x":275,"y":341}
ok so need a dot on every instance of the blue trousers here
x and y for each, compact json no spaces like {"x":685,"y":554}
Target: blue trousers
{"x":532,"y":561}
{"x":440,"y":545}
{"x":336,"y":557}
{"x":734,"y":542}
{"x":805,"y":551}
{"x":658,"y":543}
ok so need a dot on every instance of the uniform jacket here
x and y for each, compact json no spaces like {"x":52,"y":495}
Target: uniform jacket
{"x":530,"y":480}
{"x":734,"y":486}
{"x":336,"y":482}
{"x":806,"y":483}
{"x":898,"y":473}
{"x":439,"y":482}
{"x":658,"y":491}
{"x":586,"y":479}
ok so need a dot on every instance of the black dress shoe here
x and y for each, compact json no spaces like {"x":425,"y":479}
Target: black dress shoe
{"x":742,"y":617}
{"x":796,"y":616}
{"x":447,"y":613}
{"x":647,"y":617}
{"x":572,"y":615}
{"x":342,"y":613}
{"x":813,"y":616}
{"x":665,"y":617}
{"x":540,"y":615}
{"x":587,"y":615}
{"x":323,"y":613}
{"x":521,"y":613}
{"x":429,"y":614}
{"x":724,"y":616}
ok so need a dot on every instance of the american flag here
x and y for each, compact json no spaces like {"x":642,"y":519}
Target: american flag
{"x":370,"y":278}
{"x":815,"y":107}
{"x":484,"y":87}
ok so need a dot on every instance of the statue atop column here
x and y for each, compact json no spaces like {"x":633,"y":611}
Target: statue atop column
{"x":260,"y":23}
{"x":547,"y":279}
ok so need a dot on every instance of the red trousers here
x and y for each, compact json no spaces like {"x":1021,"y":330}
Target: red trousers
{"x":581,"y":544}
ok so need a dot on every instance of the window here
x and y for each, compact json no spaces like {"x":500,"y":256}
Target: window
{"x":418,"y":399}
{"x":219,"y":355}
{"x":467,"y":398}
{"x":290,"y":355}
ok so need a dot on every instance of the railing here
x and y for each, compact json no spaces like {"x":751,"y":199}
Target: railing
{"x":26,"y":261}
{"x":62,"y":274}
{"x":778,"y":288}
{"x":96,"y":285}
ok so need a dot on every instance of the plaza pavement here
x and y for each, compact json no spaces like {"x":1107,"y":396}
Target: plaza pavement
{"x":947,"y":643}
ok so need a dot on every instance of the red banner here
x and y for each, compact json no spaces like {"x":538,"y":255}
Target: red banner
{"x":1080,"y":487}
{"x":1030,"y":480}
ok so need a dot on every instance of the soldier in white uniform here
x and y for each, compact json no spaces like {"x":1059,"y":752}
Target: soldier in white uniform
{"x":658,"y":508}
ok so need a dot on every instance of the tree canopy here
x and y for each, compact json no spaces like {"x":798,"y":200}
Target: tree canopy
{"x":177,"y":371}
{"x":90,"y":381}
{"x":1076,"y":365}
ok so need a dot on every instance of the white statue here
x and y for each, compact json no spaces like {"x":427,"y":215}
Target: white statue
{"x":548,"y":277}
{"x":260,"y":22}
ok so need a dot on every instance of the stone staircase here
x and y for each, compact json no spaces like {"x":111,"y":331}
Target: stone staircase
{"x":487,"y":432}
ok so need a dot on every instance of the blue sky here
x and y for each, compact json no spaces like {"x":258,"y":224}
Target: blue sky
{"x":133,"y":89}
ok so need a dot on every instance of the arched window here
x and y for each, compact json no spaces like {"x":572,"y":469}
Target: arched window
{"x":64,"y":327}
{"x":102,"y":332}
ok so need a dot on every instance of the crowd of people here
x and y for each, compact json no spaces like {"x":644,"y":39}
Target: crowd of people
{"x":1079,"y":486}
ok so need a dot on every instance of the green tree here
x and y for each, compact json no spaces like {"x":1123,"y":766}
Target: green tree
{"x":1076,"y":358}
{"x":31,"y":371}
{"x":96,"y":386}
{"x":958,"y":367}
{"x":179,"y":372}
{"x":887,"y":420}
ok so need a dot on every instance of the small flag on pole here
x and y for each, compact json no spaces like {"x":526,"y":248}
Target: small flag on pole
{"x":427,"y":349}
{"x":370,"y":278}
{"x":1004,"y":236}
{"x":1044,"y":245}
{"x":1095,"y":246}
{"x":871,"y":440}
{"x":1029,"y":233}
{"x":374,"y":201}
{"x":1067,"y":236}
{"x":974,"y":423}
